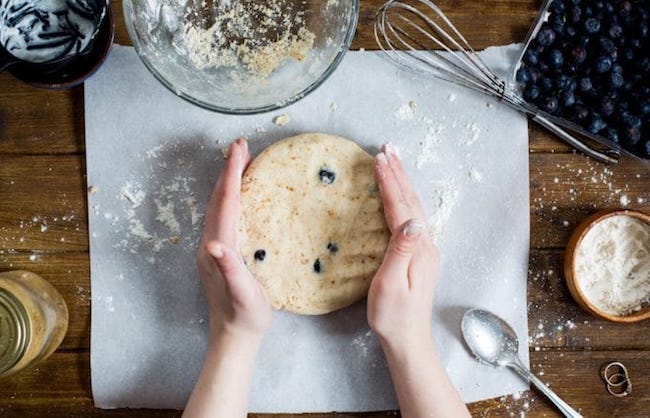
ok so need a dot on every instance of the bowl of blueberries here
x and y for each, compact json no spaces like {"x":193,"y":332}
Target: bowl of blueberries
{"x":586,"y":66}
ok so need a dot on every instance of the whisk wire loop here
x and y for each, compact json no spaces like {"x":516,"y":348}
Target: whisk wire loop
{"x":430,"y":44}
{"x":444,"y":56}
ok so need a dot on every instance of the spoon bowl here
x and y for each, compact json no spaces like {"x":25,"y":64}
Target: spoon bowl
{"x":494,"y":342}
{"x":490,"y":338}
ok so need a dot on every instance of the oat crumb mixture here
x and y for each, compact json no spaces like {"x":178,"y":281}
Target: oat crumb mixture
{"x":257,"y":36}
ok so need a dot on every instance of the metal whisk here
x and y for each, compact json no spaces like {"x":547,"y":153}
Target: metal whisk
{"x":418,"y":36}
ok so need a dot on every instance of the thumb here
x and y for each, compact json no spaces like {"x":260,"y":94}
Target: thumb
{"x":401,"y":248}
{"x":231,"y":268}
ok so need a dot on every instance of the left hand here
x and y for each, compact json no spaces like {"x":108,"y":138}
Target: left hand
{"x":400,"y":298}
{"x":236,"y":301}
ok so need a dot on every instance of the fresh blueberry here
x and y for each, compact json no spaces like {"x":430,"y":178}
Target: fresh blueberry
{"x":549,"y":104}
{"x":546,"y":36}
{"x":530,"y":57}
{"x":531,"y":92}
{"x":555,"y":59}
{"x":592,"y":25}
{"x":523,"y":75}
{"x":570,"y":31}
{"x":645,"y":65}
{"x":545,"y":84}
{"x":585,"y":84}
{"x":317,"y":266}
{"x":260,"y":255}
{"x":534,"y":74}
{"x":332,"y":247}
{"x":606,"y":46}
{"x":567,"y":98}
{"x":557,"y":7}
{"x":565,"y":83}
{"x":624,"y":8}
{"x":578,"y":54}
{"x":615,"y":31}
{"x":612,"y":134}
{"x":608,"y":8}
{"x":632,"y":121}
{"x":631,"y":136}
{"x":583,"y":40}
{"x":616,"y":79}
{"x":642,"y":30}
{"x":607,"y":106}
{"x":543,"y":67}
{"x":634,"y":42}
{"x":596,"y":124}
{"x":603,"y":64}
{"x":580,"y":112}
{"x":644,"y":107}
{"x":326,"y":175}
{"x":574,"y":14}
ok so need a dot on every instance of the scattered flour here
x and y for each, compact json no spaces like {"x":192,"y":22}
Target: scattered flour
{"x":405,"y":112}
{"x":473,"y":131}
{"x":625,"y":200}
{"x":281,"y":120}
{"x":132,"y":191}
{"x":360,"y":342}
{"x":445,"y":198}
{"x":158,"y":211}
{"x":475,"y":175}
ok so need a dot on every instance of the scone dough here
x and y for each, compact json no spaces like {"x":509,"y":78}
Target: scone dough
{"x":312,"y":229}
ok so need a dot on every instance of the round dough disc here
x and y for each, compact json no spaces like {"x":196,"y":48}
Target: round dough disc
{"x":312,"y":229}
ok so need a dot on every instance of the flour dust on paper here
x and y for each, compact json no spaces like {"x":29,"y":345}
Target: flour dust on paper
{"x":158,"y":211}
{"x":444,"y":193}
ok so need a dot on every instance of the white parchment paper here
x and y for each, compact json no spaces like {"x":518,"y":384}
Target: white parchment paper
{"x":152,"y":159}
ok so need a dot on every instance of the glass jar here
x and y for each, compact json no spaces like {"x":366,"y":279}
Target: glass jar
{"x":33,"y":320}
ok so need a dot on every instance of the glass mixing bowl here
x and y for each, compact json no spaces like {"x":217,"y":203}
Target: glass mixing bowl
{"x":241,"y":56}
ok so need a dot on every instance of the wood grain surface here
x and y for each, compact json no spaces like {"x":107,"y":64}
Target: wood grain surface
{"x":43,"y":228}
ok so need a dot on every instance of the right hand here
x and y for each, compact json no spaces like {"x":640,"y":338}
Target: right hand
{"x":400,"y":298}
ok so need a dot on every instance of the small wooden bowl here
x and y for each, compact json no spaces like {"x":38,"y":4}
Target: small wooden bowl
{"x":569,"y":268}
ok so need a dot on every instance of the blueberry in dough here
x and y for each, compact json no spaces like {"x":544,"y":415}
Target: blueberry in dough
{"x":260,"y":255}
{"x":326,"y":175}
{"x":332,"y":247}
{"x":317,"y":266}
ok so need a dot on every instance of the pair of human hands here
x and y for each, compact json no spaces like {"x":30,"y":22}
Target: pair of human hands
{"x":400,"y":297}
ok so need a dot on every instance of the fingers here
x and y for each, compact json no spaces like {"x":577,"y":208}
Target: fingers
{"x":409,"y":195}
{"x":395,"y":207}
{"x":400,"y":200}
{"x":401,"y":249}
{"x":222,"y":214}
{"x":232,"y":270}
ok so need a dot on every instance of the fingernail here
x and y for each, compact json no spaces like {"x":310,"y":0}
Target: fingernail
{"x":381,"y":159}
{"x":390,"y":150}
{"x":413,"y":228}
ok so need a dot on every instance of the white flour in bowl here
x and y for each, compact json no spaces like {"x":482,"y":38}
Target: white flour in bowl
{"x":612,"y":265}
{"x":240,"y":34}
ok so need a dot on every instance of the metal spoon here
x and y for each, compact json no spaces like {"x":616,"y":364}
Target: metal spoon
{"x":494,"y":342}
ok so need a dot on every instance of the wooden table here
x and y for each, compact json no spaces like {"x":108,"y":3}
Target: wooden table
{"x":43,"y":228}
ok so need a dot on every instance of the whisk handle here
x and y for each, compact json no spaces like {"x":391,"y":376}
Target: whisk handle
{"x":574,"y":142}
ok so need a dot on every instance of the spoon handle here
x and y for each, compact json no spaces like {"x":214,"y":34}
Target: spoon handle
{"x":541,"y":386}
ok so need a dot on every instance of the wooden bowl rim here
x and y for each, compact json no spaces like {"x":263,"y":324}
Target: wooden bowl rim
{"x":569,"y":271}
